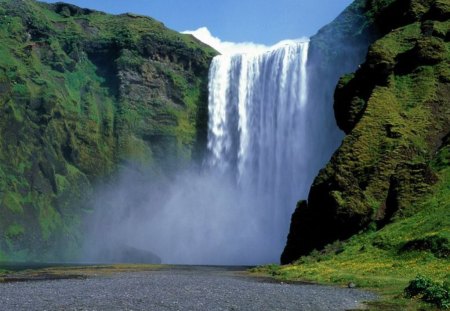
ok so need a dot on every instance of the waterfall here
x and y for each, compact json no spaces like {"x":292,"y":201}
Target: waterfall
{"x":267,"y":139}
{"x":258,"y":112}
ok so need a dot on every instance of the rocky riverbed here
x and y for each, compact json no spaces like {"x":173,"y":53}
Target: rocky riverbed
{"x":174,"y":288}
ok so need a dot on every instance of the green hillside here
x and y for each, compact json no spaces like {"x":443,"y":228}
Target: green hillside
{"x":378,"y":214}
{"x":82,"y":94}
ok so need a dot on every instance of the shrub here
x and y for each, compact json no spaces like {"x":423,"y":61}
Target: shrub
{"x":429,"y":291}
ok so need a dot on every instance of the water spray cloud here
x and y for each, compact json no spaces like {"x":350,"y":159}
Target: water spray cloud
{"x":261,"y":160}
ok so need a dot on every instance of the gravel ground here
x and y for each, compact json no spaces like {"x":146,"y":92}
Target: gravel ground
{"x":193,"y":288}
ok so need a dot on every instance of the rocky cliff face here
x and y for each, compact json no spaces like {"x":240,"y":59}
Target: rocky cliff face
{"x":395,"y":111}
{"x":83,"y":93}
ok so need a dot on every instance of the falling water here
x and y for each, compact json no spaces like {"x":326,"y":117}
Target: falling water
{"x":264,"y":133}
{"x":258,"y":111}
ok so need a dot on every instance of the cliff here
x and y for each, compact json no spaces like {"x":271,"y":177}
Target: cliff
{"x":395,"y":112}
{"x":82,"y":94}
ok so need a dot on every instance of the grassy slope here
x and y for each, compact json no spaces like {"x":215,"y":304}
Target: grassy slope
{"x":375,"y":259}
{"x":78,"y":99}
{"x":386,"y":260}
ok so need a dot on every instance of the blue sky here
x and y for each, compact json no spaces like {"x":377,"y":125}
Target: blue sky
{"x":259,"y":21}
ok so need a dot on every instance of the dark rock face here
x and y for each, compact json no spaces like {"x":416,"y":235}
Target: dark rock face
{"x":395,"y":110}
{"x":83,"y":93}
{"x":295,"y":238}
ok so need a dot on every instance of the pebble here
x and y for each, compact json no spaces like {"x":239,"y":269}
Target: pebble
{"x":193,"y":288}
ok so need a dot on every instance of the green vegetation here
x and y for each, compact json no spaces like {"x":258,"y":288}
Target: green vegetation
{"x":83,"y":93}
{"x":378,"y":214}
{"x":384,"y":260}
{"x":395,"y":111}
{"x":429,"y":291}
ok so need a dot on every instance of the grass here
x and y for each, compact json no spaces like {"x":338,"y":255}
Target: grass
{"x":376,"y":259}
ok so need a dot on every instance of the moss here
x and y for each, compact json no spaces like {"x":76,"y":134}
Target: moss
{"x":384,"y":260}
{"x":12,"y":235}
{"x":394,"y":110}
{"x":130,"y":59}
{"x":78,"y":105}
{"x":431,"y":50}
{"x":436,"y":29}
{"x":49,"y":221}
{"x":12,"y":201}
{"x":397,"y":41}
{"x":14,"y":231}
{"x":440,"y":10}
{"x":137,"y":151}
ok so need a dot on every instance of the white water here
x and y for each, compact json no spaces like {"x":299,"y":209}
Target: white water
{"x":263,"y":154}
{"x":257,"y":133}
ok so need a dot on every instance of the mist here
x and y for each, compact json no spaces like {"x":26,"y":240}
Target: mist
{"x":198,"y":218}
{"x":264,"y":150}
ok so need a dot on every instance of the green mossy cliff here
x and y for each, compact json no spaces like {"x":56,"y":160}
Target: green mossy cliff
{"x":395,"y":110}
{"x":83,"y":93}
